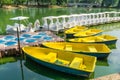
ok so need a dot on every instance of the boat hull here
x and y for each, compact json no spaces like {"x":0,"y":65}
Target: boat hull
{"x":70,"y":35}
{"x":98,"y":55}
{"x":81,"y":48}
{"x":67,"y":62}
{"x":70,"y":32}
{"x":106,"y":39}
{"x":104,"y":42}
{"x":87,"y":33}
{"x":108,"y":42}
{"x":61,"y":68}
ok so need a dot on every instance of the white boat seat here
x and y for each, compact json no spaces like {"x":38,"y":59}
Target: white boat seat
{"x":92,"y":49}
{"x":76,"y":62}
{"x":51,"y":57}
{"x":62,"y":62}
{"x":101,"y":38}
{"x":68,"y":47}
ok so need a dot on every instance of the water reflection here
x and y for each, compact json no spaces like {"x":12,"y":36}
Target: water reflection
{"x":22,"y":71}
{"x":10,"y":71}
{"x":114,"y":59}
{"x":108,"y":27}
{"x":109,"y":65}
{"x":103,"y":71}
{"x":102,"y":62}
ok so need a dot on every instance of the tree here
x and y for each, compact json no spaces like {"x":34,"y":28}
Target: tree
{"x":38,"y":2}
{"x":109,"y":3}
{"x":118,"y":5}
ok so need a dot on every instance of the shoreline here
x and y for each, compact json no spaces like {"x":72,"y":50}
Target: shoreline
{"x":25,"y":6}
{"x":13,"y":6}
{"x":44,"y":6}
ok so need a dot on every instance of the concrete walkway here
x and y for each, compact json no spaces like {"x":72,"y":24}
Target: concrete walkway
{"x":115,"y":76}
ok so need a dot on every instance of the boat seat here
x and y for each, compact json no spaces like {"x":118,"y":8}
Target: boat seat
{"x":83,"y":67}
{"x":76,"y":62}
{"x":89,"y":33}
{"x":91,"y":41}
{"x":83,"y":34}
{"x":88,"y":40}
{"x":68,"y":47}
{"x":51,"y":57}
{"x":92,"y":49}
{"x":103,"y":39}
{"x":76,"y":30}
{"x":62,"y":62}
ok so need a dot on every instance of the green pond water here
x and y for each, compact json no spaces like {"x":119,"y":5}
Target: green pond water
{"x":12,"y":68}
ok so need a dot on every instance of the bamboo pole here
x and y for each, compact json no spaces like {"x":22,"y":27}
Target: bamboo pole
{"x":18,"y":41}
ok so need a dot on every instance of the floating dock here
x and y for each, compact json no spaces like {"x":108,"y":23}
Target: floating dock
{"x":10,"y":50}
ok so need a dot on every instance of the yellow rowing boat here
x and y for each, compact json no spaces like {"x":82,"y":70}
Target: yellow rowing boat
{"x":70,"y":32}
{"x":68,"y":62}
{"x":89,"y":32}
{"x":106,"y":39}
{"x":98,"y":50}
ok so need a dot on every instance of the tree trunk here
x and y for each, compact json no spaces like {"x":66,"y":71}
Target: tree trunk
{"x":102,"y":4}
{"x":27,"y":2}
{"x":38,"y":2}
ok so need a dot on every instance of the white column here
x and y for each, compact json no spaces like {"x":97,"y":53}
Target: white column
{"x":45,"y":24}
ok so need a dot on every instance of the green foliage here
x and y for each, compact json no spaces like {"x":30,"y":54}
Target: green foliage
{"x":102,"y":62}
{"x":19,"y":1}
{"x":104,"y":3}
{"x":53,"y":2}
{"x":118,"y":5}
{"x":6,"y":1}
{"x":7,"y":59}
{"x":110,"y":3}
{"x":98,"y":1}
{"x":115,"y":3}
{"x":107,"y":3}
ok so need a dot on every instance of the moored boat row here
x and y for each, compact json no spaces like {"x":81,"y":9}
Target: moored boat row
{"x":70,"y":32}
{"x":89,"y":36}
{"x":73,"y":57}
{"x":89,"y":32}
{"x":81,"y":31}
